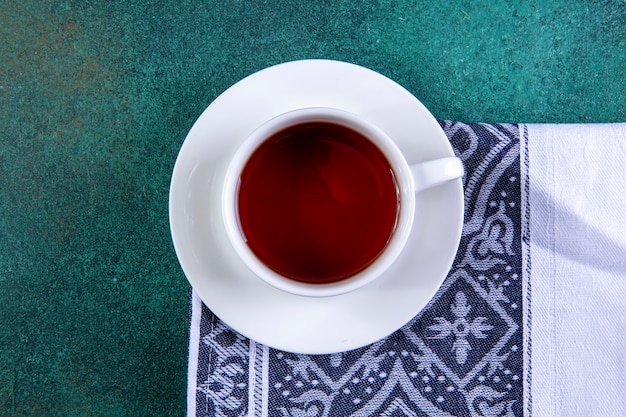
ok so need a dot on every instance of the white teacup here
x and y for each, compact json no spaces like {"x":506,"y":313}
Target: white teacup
{"x":409,"y":181}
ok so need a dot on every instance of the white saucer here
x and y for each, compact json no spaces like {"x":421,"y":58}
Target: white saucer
{"x":254,"y":308}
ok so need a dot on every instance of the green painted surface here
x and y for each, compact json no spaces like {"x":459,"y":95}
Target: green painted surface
{"x":97,"y":97}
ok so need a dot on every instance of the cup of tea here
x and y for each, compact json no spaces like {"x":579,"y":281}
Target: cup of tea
{"x":319,"y":201}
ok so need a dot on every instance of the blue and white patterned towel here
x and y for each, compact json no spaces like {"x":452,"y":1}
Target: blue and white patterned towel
{"x":461,"y":356}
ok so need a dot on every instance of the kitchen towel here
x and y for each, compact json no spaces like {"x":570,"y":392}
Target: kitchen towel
{"x":530,"y":320}
{"x":575,"y":238}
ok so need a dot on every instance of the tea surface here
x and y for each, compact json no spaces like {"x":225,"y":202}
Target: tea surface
{"x":318,"y":202}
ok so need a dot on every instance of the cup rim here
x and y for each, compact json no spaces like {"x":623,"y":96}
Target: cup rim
{"x":406,"y":191}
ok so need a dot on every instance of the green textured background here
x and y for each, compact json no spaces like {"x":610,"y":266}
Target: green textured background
{"x":97,"y":97}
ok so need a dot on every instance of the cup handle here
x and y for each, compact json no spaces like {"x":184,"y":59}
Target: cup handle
{"x":431,"y":173}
